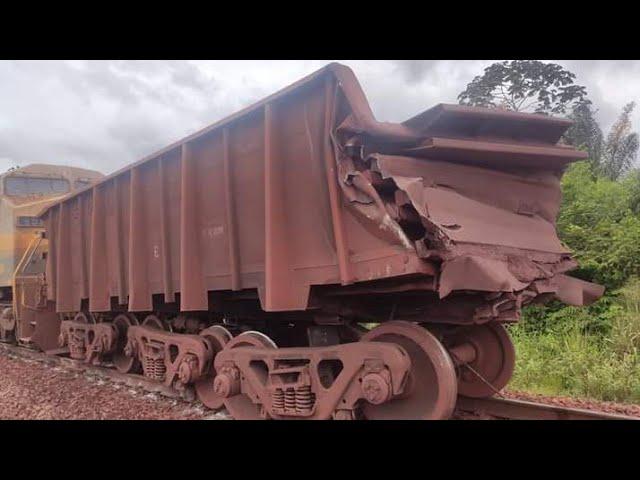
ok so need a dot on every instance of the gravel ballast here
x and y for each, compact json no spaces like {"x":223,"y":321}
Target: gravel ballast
{"x":36,"y":391}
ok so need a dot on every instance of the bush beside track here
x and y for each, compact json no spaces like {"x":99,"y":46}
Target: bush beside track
{"x":591,"y":352}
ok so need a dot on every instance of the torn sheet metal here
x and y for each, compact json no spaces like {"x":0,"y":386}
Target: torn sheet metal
{"x":577,"y":292}
{"x":476,"y":190}
{"x":477,"y":273}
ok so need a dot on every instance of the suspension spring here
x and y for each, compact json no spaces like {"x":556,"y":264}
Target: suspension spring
{"x":290,"y":399}
{"x":154,"y":368}
{"x":277,"y":399}
{"x":304,"y":399}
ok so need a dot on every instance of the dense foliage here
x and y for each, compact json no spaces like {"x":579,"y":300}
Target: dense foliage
{"x":597,"y":221}
{"x":592,"y":351}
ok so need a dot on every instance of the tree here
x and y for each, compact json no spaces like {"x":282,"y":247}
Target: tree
{"x":524,"y":85}
{"x":632,"y":181}
{"x":622,"y":144}
{"x":613,"y":157}
{"x":586,"y":134}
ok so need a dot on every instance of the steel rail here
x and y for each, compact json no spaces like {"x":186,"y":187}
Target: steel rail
{"x":511,"y":409}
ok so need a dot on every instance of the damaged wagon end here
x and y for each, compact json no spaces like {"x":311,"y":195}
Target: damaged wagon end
{"x":473,"y":192}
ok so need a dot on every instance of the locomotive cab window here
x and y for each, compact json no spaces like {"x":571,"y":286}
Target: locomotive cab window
{"x":24,"y":221}
{"x":25,"y":186}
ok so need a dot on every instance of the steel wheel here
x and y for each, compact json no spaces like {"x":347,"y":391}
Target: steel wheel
{"x":240,"y":406}
{"x":123,"y":363}
{"x":152,"y":321}
{"x":218,"y":338}
{"x":432,"y":385}
{"x":84,"y":317}
{"x":494,"y":362}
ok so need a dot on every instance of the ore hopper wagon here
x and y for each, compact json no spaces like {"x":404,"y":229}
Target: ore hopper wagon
{"x":300,"y":259}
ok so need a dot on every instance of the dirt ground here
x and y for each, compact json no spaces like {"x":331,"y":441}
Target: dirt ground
{"x":608,"y":407}
{"x":33,"y":390}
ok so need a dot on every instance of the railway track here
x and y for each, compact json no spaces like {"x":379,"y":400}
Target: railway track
{"x":511,"y":409}
{"x":468,"y":408}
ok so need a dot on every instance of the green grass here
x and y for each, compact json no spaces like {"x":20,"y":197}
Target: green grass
{"x":568,"y":356}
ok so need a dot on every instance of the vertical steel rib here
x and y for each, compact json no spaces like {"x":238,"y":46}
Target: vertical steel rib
{"x":83,"y":249}
{"x":234,"y":264}
{"x":165,"y":246}
{"x":120,"y":278}
{"x":193,"y":294}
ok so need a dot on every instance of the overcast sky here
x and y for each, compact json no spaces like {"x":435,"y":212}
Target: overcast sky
{"x":106,"y":114}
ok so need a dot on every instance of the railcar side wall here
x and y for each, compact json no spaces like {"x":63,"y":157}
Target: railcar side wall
{"x":244,"y":206}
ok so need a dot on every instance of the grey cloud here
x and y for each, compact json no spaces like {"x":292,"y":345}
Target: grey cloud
{"x":610,"y":85}
{"x":190,"y":76}
{"x":404,"y":88}
{"x":415,"y":71}
{"x":103,"y":114}
{"x":106,"y":114}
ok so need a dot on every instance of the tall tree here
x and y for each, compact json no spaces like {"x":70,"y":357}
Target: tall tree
{"x":524,"y":85}
{"x":621,"y":147}
{"x":633,"y":179}
{"x":586,"y":134}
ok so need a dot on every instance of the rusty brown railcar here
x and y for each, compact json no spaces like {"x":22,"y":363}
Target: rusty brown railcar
{"x":251,"y":258}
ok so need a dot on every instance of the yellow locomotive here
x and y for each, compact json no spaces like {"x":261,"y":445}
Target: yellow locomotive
{"x":24,"y":192}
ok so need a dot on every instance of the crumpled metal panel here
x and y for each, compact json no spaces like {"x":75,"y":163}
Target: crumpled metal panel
{"x":577,"y":292}
{"x":307,"y":189}
{"x":456,"y":198}
{"x":477,"y":273}
{"x":472,"y":122}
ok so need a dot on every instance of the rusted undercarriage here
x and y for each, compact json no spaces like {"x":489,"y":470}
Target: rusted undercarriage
{"x":397,"y":370}
{"x":250,"y":260}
